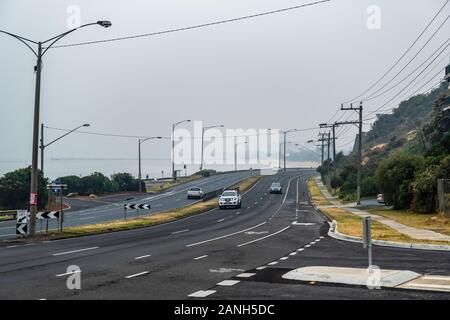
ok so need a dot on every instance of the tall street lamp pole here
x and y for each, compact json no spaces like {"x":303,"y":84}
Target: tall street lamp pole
{"x":38,"y":68}
{"x":141,"y":141}
{"x":174,"y":176}
{"x":284,"y":146}
{"x":203,"y":134}
{"x":43,"y":146}
{"x":235,"y":154}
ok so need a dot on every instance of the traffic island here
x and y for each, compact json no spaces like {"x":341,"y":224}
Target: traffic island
{"x":142,"y":222}
{"x":372,"y":279}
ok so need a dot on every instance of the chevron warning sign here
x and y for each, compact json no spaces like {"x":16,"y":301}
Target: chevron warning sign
{"x":22,"y":222}
{"x":21,"y":228}
{"x":136,"y":206}
{"x":48,"y":215}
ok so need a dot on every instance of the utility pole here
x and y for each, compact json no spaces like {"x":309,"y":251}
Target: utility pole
{"x":141,"y":141}
{"x":328,"y":156}
{"x":359,"y":110}
{"x":333,"y":127}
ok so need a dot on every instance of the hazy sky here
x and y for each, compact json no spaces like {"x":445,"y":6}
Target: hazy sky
{"x":287,"y":70}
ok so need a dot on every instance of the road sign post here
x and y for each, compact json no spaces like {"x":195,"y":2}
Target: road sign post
{"x":367,"y":238}
{"x":127,"y":206}
{"x":58,"y":187}
{"x":22,"y":222}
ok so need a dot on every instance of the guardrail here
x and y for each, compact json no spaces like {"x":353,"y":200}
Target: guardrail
{"x":4,"y":213}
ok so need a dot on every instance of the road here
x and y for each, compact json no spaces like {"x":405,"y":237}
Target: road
{"x":201,"y":256}
{"x":96,"y":212}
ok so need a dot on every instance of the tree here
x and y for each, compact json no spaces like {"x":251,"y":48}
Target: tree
{"x":125,"y":182}
{"x":15,"y":189}
{"x":394,"y":176}
{"x":96,"y":183}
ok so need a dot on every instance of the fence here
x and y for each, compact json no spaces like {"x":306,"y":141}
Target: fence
{"x":443,"y":187}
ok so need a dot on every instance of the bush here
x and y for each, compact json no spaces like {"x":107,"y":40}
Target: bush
{"x":15,"y":189}
{"x":425,"y":191}
{"x":394,"y":176}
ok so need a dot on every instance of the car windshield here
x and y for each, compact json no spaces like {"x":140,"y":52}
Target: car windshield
{"x":275,"y":185}
{"x":195,"y":189}
{"x":229,"y":193}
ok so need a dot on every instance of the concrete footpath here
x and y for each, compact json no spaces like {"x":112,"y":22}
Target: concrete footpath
{"x":414,"y":233}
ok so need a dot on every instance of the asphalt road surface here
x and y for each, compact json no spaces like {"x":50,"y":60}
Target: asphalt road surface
{"x":191,"y":258}
{"x":96,"y":211}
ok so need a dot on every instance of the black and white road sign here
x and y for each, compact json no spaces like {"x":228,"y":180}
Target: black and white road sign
{"x":136,"y":206}
{"x":22,"y":222}
{"x":48,"y":215}
{"x":21,"y":228}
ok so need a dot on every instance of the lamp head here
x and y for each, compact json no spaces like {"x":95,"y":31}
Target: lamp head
{"x":104,"y":23}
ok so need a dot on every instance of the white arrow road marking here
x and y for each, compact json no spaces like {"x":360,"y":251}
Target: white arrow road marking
{"x":142,"y":257}
{"x":74,"y":251}
{"x":259,"y":239}
{"x":137,"y":274}
{"x":202,"y":293}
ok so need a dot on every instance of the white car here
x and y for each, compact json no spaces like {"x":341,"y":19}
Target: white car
{"x":230,"y":198}
{"x":380,"y":198}
{"x":195,"y":193}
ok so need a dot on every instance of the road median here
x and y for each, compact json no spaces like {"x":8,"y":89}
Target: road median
{"x":143,"y":221}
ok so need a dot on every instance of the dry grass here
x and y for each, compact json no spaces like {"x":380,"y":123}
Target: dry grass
{"x":145,"y":221}
{"x":433,"y":222}
{"x":350,"y":224}
{"x":169,"y":184}
{"x":316,"y":196}
{"x":4,"y":218}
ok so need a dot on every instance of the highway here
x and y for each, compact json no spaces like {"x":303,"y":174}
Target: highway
{"x":201,"y":256}
{"x":172,"y":198}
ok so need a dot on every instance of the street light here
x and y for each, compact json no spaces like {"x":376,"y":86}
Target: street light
{"x":284,"y":145}
{"x":38,"y":68}
{"x":141,"y":141}
{"x":203,"y":133}
{"x":235,"y":153}
{"x":174,"y":176}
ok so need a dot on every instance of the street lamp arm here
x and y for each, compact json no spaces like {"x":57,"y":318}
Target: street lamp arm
{"x":45,"y":146}
{"x":62,"y":35}
{"x":149,"y":138}
{"x":21,"y":39}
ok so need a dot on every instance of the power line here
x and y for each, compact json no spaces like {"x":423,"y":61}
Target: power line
{"x":401,"y":57}
{"x":194,"y":26}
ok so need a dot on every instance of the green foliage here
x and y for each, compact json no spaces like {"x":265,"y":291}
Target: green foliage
{"x":126,"y":182}
{"x":206,"y":172}
{"x":394,"y":176}
{"x":15,"y":189}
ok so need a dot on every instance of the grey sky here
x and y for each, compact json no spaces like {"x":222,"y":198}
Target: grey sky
{"x":287,"y":70}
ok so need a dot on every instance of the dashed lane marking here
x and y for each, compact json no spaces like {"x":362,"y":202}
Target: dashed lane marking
{"x":143,"y":257}
{"x":262,"y":238}
{"x":272,"y":263}
{"x":245,"y":275}
{"x":68,"y":273}
{"x":181,"y":231}
{"x":202,"y":293}
{"x":284,"y":258}
{"x":201,"y":257}
{"x":228,"y":283}
{"x":74,"y":251}
{"x":137,"y":274}
{"x":220,"y":220}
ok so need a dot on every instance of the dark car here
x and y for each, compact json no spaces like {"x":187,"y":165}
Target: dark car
{"x":275,"y":187}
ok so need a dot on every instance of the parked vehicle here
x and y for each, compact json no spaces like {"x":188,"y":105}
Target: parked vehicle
{"x":195,"y":193}
{"x":230,"y":198}
{"x":275,"y":187}
{"x":380,"y":198}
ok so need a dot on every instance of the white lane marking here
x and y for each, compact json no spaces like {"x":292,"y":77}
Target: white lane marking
{"x":272,"y":263}
{"x":307,"y":246}
{"x":292,"y":253}
{"x":238,"y":212}
{"x":201,"y":257}
{"x":262,"y":238}
{"x":321,"y":237}
{"x":248,"y":207}
{"x":284,"y":258}
{"x":245,"y":275}
{"x":300,"y":250}
{"x":220,"y":220}
{"x":137,"y":274}
{"x":202,"y":293}
{"x":7,"y":228}
{"x":7,"y":235}
{"x":228,"y":283}
{"x":225,"y":236}
{"x":8,"y":247}
{"x":42,"y":299}
{"x":67,"y":273}
{"x":311,"y":243}
{"x":256,"y":202}
{"x":86,"y":218}
{"x":426,"y":285}
{"x":261,"y":268}
{"x":74,"y":251}
{"x":181,"y":231}
{"x":142,"y":257}
{"x":435,"y":277}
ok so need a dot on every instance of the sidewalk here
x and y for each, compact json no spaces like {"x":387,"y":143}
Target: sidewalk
{"x":414,"y":233}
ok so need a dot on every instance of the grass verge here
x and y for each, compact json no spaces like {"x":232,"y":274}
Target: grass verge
{"x":316,"y":196}
{"x":433,"y":222}
{"x":4,"y":218}
{"x":351,"y":225}
{"x":143,"y":221}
